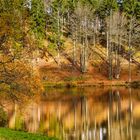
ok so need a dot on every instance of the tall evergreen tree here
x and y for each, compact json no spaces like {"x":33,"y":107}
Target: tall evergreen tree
{"x":38,"y":18}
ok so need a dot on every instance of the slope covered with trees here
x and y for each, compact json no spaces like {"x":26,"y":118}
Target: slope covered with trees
{"x":68,"y":33}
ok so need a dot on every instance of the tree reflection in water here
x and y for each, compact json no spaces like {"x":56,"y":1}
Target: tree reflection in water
{"x":112,"y":115}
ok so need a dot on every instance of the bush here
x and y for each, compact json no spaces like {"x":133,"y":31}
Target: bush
{"x":20,"y":78}
{"x":3,"y":117}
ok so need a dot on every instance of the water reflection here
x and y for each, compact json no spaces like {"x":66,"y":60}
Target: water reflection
{"x":110,"y":115}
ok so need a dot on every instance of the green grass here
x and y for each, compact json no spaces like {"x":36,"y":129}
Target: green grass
{"x":74,"y":78}
{"x":8,"y":134}
{"x":62,"y":84}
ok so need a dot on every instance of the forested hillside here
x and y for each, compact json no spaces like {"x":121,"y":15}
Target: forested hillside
{"x":70,"y":39}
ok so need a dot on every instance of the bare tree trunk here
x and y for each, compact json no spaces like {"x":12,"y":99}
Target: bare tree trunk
{"x":93,"y":37}
{"x":118,"y":70}
{"x":110,"y":47}
{"x":74,"y":51}
{"x":96,"y":30}
{"x":74,"y":47}
{"x":86,"y":46}
{"x":58,"y":41}
{"x":86,"y":54}
{"x":82,"y":56}
{"x":107,"y":51}
{"x":130,"y":49}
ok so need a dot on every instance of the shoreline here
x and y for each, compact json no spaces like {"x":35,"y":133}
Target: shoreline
{"x":70,"y":84}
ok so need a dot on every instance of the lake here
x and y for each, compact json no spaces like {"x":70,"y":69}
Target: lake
{"x":78,"y":113}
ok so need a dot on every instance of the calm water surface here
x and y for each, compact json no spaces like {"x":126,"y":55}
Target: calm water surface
{"x":79,"y":114}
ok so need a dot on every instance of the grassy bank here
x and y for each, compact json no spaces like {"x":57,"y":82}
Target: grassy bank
{"x":83,"y":84}
{"x":133,"y":84}
{"x":8,"y":134}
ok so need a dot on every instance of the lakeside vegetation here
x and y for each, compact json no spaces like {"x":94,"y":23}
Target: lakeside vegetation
{"x":8,"y":134}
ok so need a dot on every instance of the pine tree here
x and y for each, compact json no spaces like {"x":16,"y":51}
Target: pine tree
{"x":12,"y":25}
{"x":38,"y":18}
